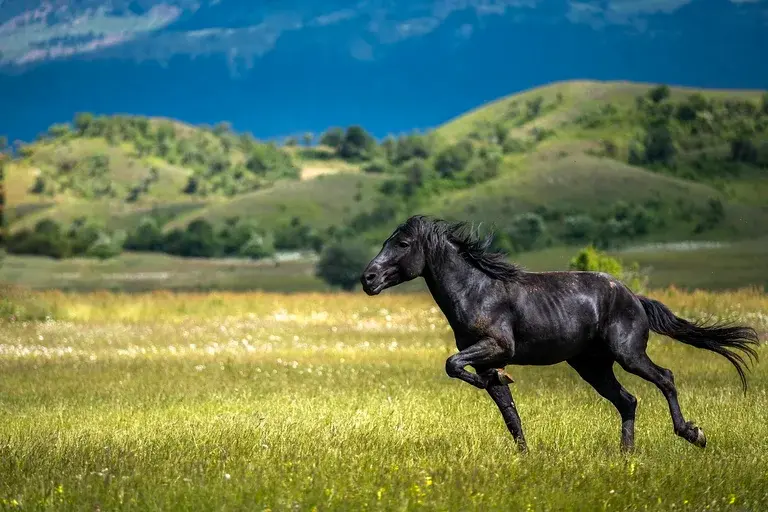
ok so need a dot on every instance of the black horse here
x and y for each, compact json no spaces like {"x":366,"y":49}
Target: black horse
{"x":503,"y":315}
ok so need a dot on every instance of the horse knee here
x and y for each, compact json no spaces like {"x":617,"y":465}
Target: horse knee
{"x":453,"y":366}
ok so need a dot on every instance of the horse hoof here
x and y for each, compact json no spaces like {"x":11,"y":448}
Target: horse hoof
{"x":504,"y":377}
{"x":701,"y":439}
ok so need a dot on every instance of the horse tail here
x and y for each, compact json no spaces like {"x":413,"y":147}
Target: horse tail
{"x":718,"y":337}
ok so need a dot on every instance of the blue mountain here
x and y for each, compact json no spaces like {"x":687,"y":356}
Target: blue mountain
{"x":293,"y":66}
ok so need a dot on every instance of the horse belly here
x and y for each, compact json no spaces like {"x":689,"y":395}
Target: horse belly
{"x":552,"y":346}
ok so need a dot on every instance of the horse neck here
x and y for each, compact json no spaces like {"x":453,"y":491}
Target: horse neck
{"x":453,"y":283}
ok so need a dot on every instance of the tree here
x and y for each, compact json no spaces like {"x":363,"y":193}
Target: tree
{"x":82,"y":234}
{"x":333,"y":137}
{"x":39,"y":186}
{"x":105,"y":247}
{"x":417,"y":172}
{"x":83,"y":121}
{"x":357,"y":144}
{"x":342,"y":262}
{"x":60,"y":130}
{"x":527,"y":231}
{"x":308,"y":138}
{"x":295,"y":236}
{"x":579,"y":229}
{"x":222,"y":128}
{"x":454,"y":158}
{"x":198,"y":240}
{"x":410,"y":146}
{"x":147,"y":237}
{"x":533,"y":107}
{"x":376,"y":166}
{"x":659,"y":145}
{"x":257,"y":247}
{"x":659,"y":93}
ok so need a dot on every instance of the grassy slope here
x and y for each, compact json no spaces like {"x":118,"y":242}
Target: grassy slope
{"x":558,"y":173}
{"x":320,"y":202}
{"x":561,"y":174}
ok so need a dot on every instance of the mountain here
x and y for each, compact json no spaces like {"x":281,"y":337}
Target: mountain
{"x":276,"y":69}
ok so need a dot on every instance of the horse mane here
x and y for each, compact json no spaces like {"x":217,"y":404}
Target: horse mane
{"x":472,"y":248}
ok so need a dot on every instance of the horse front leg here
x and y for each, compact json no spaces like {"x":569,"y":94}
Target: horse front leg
{"x":503,"y":397}
{"x":487,"y":353}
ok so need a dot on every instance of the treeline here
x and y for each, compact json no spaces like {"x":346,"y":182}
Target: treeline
{"x":246,"y":238}
{"x":242,"y":238}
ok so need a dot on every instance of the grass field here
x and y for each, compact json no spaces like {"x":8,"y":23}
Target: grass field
{"x":340,"y":402}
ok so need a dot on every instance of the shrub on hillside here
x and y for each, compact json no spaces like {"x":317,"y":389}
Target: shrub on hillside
{"x":197,"y":240}
{"x":579,"y":229}
{"x":46,"y":239}
{"x":106,"y":246}
{"x":526,"y":232}
{"x":257,"y":247}
{"x":146,"y":237}
{"x":342,"y":262}
{"x":357,"y":144}
{"x":296,"y":236}
{"x":454,"y":159}
{"x":591,"y":260}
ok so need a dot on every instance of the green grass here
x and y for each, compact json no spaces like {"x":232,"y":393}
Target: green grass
{"x":132,"y":272}
{"x":339,"y":402}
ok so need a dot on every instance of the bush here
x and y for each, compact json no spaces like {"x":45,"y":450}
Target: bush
{"x":579,"y":229}
{"x":106,"y":246}
{"x":590,"y":259}
{"x":257,"y":247}
{"x":376,"y":166}
{"x":296,"y":236}
{"x":147,"y":237}
{"x":357,"y":144}
{"x":454,"y":159}
{"x":527,"y":232}
{"x":47,"y":239}
{"x":342,"y":262}
{"x":198,"y":240}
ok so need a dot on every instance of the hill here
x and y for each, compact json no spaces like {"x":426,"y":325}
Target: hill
{"x":571,"y":163}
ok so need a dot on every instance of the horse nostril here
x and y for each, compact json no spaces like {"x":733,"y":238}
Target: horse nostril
{"x":370,"y":277}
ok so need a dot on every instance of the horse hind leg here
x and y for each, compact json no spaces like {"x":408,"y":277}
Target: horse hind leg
{"x":633,"y":358}
{"x":597,"y":370}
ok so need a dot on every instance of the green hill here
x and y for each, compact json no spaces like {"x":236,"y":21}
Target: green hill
{"x":570,"y":163}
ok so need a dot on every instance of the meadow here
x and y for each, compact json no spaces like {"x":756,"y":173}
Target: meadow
{"x":317,"y":401}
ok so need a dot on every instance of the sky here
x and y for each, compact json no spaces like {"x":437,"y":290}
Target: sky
{"x":277,"y":68}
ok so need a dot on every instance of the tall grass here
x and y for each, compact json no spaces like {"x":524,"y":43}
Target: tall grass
{"x":263,"y":401}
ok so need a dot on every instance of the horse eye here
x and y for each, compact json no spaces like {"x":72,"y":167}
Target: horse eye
{"x":403,"y":244}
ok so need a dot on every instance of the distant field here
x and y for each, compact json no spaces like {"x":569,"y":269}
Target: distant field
{"x":132,"y":272}
{"x":341,"y":402}
{"x":705,"y":265}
